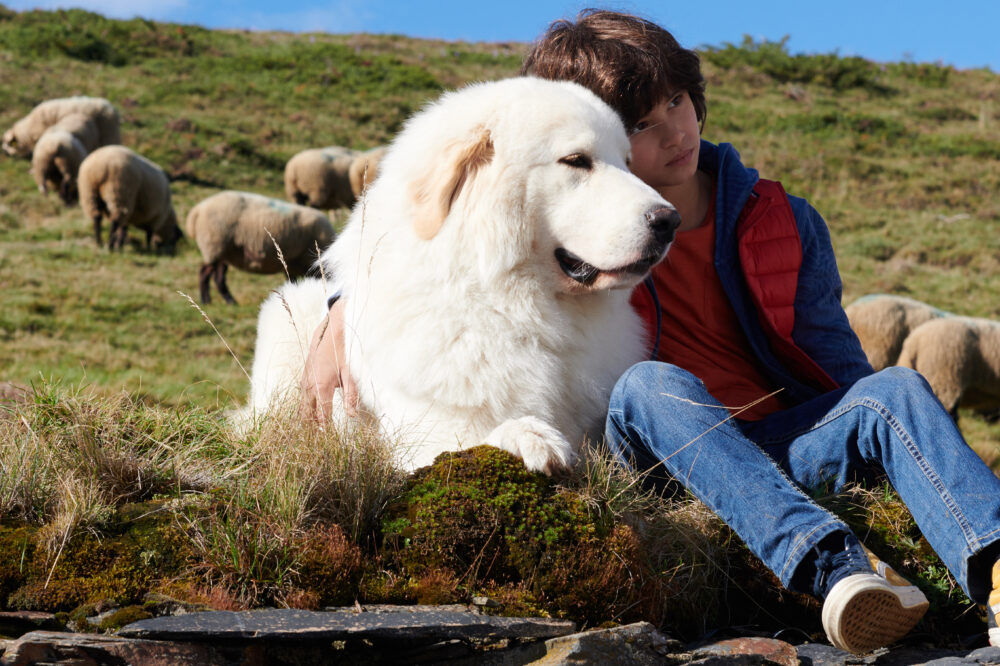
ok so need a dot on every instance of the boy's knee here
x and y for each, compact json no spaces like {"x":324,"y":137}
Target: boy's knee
{"x":649,"y":379}
{"x":906,"y":380}
{"x":898,"y":383}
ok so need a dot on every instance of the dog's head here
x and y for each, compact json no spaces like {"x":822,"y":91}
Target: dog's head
{"x":531,"y":176}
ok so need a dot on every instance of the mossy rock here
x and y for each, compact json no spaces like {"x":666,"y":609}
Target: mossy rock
{"x":128,"y":558}
{"x":124,"y":616}
{"x":477,"y":519}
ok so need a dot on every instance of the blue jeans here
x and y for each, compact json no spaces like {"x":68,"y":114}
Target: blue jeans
{"x":752,"y":473}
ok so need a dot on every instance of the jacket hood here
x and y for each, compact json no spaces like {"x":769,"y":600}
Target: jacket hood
{"x":735,"y":182}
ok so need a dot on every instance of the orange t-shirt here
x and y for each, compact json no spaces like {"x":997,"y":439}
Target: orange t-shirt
{"x":700,"y":331}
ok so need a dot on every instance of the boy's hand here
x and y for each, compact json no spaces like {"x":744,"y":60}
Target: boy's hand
{"x":326,"y":370}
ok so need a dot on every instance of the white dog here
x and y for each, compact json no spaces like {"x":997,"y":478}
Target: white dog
{"x":486,"y":274}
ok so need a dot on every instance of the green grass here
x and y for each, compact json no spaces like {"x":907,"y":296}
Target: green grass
{"x":902,"y":159}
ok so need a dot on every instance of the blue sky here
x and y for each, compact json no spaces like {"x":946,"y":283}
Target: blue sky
{"x":962,"y":33}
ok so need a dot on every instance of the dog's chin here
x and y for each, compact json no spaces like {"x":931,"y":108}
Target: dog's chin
{"x":586,"y":277}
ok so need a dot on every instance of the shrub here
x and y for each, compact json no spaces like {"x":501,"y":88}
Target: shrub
{"x":90,"y":37}
{"x":925,"y":74}
{"x":773,"y":59}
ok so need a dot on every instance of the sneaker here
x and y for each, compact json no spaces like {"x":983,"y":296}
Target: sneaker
{"x":993,"y":611}
{"x":866,"y":604}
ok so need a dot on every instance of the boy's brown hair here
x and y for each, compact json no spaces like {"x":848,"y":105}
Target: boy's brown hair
{"x":629,"y":62}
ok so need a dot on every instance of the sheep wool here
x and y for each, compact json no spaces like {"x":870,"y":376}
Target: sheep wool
{"x":364,"y":169}
{"x":882,"y":322}
{"x":246,"y":230}
{"x":960,"y":358}
{"x":59,"y":152}
{"x":20,"y":139}
{"x":318,"y":177}
{"x":129,"y":189}
{"x":55,"y":163}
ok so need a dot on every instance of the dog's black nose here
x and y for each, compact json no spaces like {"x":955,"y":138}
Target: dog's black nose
{"x":664,"y":222}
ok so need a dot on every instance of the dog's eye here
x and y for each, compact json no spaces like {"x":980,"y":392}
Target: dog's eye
{"x":578,"y":161}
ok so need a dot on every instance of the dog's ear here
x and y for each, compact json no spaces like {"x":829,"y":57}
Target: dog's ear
{"x":434,"y":193}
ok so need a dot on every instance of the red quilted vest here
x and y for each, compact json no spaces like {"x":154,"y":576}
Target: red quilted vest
{"x":771,"y":255}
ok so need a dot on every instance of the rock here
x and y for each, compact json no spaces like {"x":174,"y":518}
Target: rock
{"x":161,"y":604}
{"x":638,"y":644}
{"x":986,"y":655}
{"x":14,"y":393}
{"x":303,"y":625}
{"x":485,"y":602}
{"x":87,"y":650}
{"x":796,"y":93}
{"x":815,"y":654}
{"x":398,"y":608}
{"x":21,"y":622}
{"x":768,"y":649}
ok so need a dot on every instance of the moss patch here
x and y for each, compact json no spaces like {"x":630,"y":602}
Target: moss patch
{"x":478,"y":520}
{"x":141,"y":547}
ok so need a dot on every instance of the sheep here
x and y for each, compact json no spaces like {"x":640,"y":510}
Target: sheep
{"x":960,"y":358}
{"x":364,"y":169}
{"x":882,"y":322}
{"x":57,"y":155}
{"x":20,"y":140}
{"x":129,"y":189}
{"x":318,"y":177}
{"x":246,"y":230}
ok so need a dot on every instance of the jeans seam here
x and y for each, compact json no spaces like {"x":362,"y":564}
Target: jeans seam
{"x":911,"y":447}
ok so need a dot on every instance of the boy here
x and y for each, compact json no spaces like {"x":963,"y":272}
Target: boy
{"x":762,"y":389}
{"x":750,"y":295}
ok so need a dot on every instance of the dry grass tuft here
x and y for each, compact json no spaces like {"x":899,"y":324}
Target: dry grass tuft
{"x":68,"y":457}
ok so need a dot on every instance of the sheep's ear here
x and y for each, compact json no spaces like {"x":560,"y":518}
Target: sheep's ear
{"x":436,"y":190}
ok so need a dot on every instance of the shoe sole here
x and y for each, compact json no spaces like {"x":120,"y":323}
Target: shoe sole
{"x":864,"y":612}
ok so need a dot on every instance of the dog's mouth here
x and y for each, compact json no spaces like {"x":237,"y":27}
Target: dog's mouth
{"x":586,"y":274}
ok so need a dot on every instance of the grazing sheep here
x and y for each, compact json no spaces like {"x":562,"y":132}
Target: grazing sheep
{"x":59,"y":152}
{"x":960,"y":358}
{"x":882,"y":322}
{"x":241,"y":229}
{"x":318,"y":177}
{"x":364,"y":169}
{"x":20,"y":139}
{"x":128,"y":189}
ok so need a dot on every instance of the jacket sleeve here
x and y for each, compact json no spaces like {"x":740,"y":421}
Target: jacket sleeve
{"x":821,"y":328}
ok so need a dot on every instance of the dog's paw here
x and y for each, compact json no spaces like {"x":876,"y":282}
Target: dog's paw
{"x":539,"y":445}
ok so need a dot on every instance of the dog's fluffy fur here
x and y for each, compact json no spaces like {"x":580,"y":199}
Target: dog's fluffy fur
{"x":465,"y":322}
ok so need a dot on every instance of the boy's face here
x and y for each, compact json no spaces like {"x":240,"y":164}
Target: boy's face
{"x":665,"y":144}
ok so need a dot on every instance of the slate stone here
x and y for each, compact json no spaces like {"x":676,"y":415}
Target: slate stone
{"x":21,"y":622}
{"x":300,"y":625}
{"x":986,"y":655}
{"x":638,"y":644}
{"x":400,"y":608}
{"x":819,"y":654}
{"x":49,"y":647}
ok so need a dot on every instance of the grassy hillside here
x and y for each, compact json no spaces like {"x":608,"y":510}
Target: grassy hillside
{"x":902,"y":159}
{"x":218,"y":110}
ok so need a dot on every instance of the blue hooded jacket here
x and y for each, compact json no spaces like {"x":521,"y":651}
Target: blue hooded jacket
{"x":821,"y":330}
